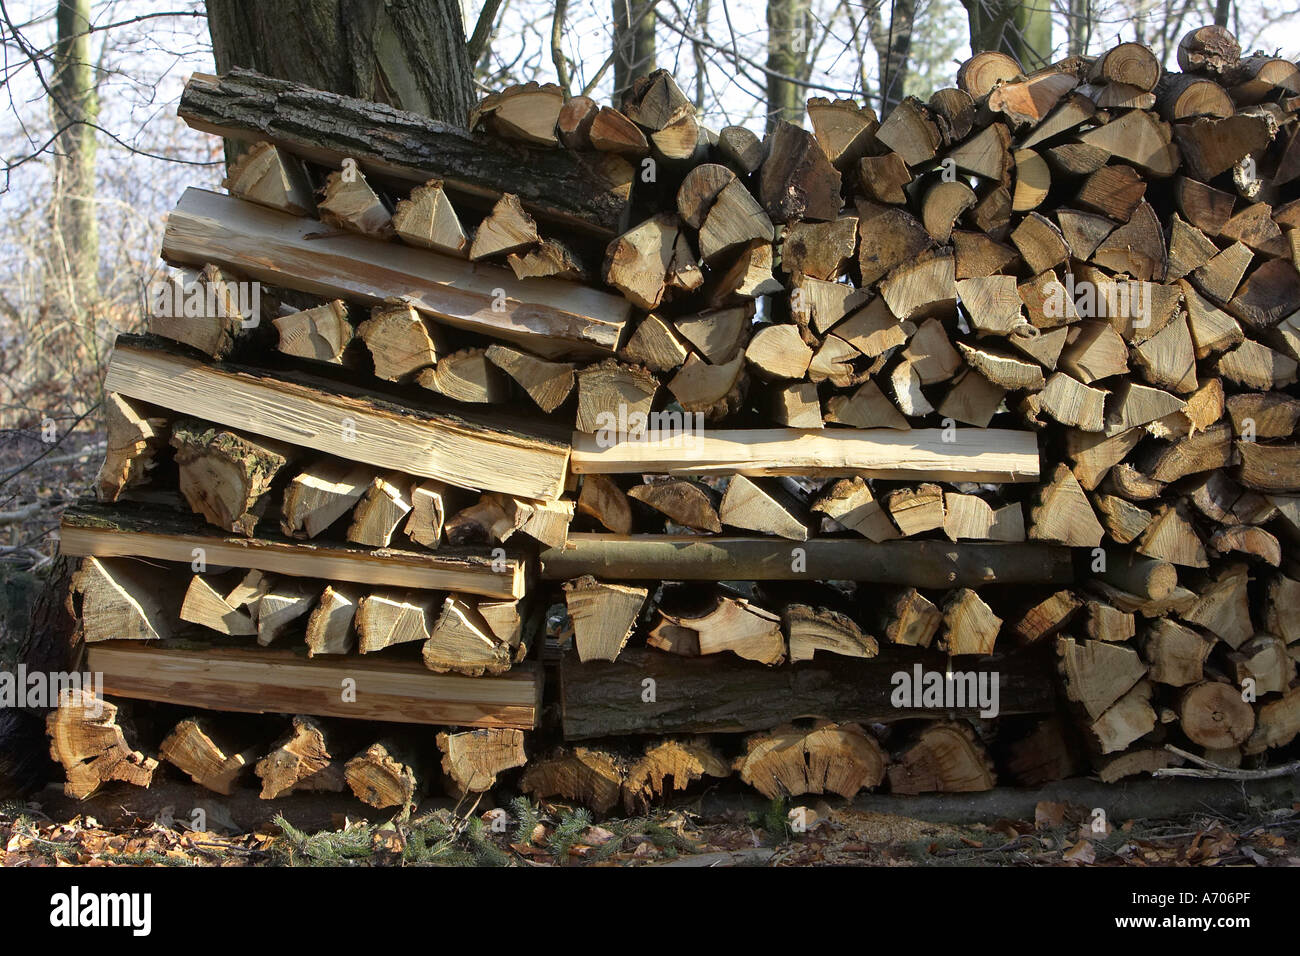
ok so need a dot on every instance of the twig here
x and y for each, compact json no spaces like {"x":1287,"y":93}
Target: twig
{"x":1214,"y":771}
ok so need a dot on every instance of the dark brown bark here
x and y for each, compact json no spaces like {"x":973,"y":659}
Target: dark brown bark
{"x":716,"y":695}
{"x":406,"y":53}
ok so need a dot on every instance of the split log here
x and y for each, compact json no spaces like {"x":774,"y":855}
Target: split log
{"x":687,"y":503}
{"x":834,"y":758}
{"x":734,"y":624}
{"x":133,"y":436}
{"x":548,"y":384}
{"x":205,"y":606}
{"x":1097,"y":673}
{"x":348,"y":202}
{"x":384,"y":506}
{"x":386,"y":618}
{"x":330,"y":626}
{"x":474,"y":758}
{"x":591,"y":777}
{"x":969,"y":625}
{"x":466,"y":376}
{"x":810,"y":629}
{"x":267,"y":175}
{"x":224,"y":475}
{"x":427,"y":219}
{"x":1175,"y":655}
{"x":92,"y":749}
{"x":911,"y":619}
{"x":192,"y":748}
{"x":321,"y":334}
{"x":122,"y":599}
{"x":850,"y":504}
{"x":1063,"y":514}
{"x":945,"y":758}
{"x":379,"y":777}
{"x":762,"y":507}
{"x":605,"y":501}
{"x":685,"y":761}
{"x":508,"y":228}
{"x":301,"y":760}
{"x":610,"y":394}
{"x":1126,"y":721}
{"x":797,"y":181}
{"x":320,"y":494}
{"x":603,"y":616}
{"x":284,"y":603}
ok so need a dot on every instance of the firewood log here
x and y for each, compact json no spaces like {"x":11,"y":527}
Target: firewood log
{"x":206,"y":606}
{"x":348,"y":202}
{"x":593,"y":778}
{"x":267,"y":175}
{"x":380,"y":776}
{"x":427,"y":219}
{"x":121,"y":599}
{"x":462,"y":641}
{"x":603,"y":616}
{"x":1214,"y":715}
{"x":684,"y":761}
{"x":192,"y":747}
{"x":684,"y":502}
{"x":330,"y":627}
{"x":301,"y":760}
{"x":134,"y":433}
{"x":945,"y":758}
{"x":810,"y":629}
{"x":834,"y":758}
{"x":87,"y":742}
{"x":474,"y":758}
{"x":969,"y":625}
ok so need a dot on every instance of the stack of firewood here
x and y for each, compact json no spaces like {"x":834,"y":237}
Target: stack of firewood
{"x":1001,"y":385}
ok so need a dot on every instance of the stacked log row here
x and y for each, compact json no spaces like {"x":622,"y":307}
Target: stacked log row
{"x":700,"y":406}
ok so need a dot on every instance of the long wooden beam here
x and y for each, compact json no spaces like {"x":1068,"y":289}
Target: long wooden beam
{"x":921,"y":564}
{"x":586,"y":193}
{"x":467,"y":450}
{"x":720,"y":694}
{"x":922,"y":454}
{"x":265,"y":680}
{"x":131,"y":529}
{"x":546,"y":316}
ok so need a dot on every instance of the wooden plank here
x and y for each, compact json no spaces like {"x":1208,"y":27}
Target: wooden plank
{"x":135,"y":529}
{"x":470,"y":451}
{"x":921,"y":564}
{"x":549,"y":317}
{"x":262,"y":680}
{"x":975,"y":454}
{"x":400,"y":147}
{"x":720,"y":695}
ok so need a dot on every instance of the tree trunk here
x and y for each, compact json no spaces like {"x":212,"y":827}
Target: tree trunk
{"x":788,"y":32}
{"x":74,"y":106}
{"x":1019,"y":30}
{"x":1079,"y":26}
{"x":634,"y":43}
{"x":407,"y":53}
{"x":1222,"y":10}
{"x":893,"y":43}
